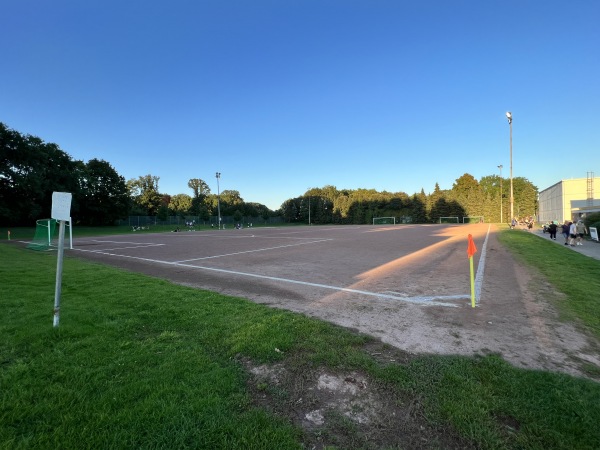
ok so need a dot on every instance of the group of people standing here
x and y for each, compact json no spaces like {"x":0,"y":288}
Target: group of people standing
{"x":571,"y":231}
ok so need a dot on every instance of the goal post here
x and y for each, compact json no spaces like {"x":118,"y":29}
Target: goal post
{"x":46,"y":235}
{"x":473,"y":219}
{"x":449,"y":219}
{"x":384,"y":221}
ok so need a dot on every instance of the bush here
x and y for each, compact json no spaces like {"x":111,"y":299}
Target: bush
{"x":592,"y":220}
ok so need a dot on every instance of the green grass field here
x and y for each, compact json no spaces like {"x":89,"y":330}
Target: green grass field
{"x":138,"y":362}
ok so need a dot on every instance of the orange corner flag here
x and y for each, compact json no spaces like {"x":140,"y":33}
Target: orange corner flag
{"x":471,"y":249}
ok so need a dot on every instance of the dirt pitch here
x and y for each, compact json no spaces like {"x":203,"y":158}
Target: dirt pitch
{"x":408,"y":285}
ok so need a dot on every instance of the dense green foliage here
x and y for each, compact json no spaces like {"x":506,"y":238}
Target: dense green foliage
{"x":31,"y":170}
{"x":592,"y":220}
{"x":467,"y":198}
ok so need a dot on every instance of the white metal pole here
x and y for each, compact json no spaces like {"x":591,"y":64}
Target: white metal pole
{"x":59,"y":266}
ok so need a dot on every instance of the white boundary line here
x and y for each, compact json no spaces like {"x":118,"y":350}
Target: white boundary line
{"x":420,"y":300}
{"x":481,"y":268}
{"x":250,"y":251}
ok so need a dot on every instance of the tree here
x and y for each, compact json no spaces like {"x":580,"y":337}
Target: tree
{"x":465,"y":184}
{"x":525,"y":197}
{"x":103,"y":195}
{"x":199,"y":187}
{"x":230,"y":201}
{"x":200,"y":204}
{"x":144,"y":191}
{"x":466,"y":193}
{"x":180,"y":204}
{"x":30,"y":171}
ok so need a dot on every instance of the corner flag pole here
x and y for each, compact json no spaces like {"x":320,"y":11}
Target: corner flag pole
{"x":471,"y":250}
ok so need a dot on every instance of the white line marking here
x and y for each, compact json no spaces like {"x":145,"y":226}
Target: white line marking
{"x":133,"y":245}
{"x":420,"y":300}
{"x":481,"y":268}
{"x":250,"y":251}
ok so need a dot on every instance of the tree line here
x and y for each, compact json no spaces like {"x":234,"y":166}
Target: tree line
{"x":31,"y":170}
{"x":467,"y":198}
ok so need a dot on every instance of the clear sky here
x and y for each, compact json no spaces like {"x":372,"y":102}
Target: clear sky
{"x":283,"y":95}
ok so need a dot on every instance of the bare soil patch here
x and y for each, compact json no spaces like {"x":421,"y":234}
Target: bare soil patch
{"x":347,"y":409}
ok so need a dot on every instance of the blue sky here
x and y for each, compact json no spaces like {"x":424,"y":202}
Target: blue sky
{"x":280,"y":96}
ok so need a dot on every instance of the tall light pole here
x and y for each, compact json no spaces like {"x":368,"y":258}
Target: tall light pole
{"x":512,"y":199}
{"x":501,"y":194}
{"x":218,"y":175}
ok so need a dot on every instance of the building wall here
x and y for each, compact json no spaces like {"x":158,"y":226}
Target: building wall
{"x":550,"y":204}
{"x":562,"y":200}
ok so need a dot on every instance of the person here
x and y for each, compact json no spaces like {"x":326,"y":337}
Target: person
{"x":572,"y":234}
{"x":580,"y":229}
{"x":552,"y":229}
{"x":565,"y":231}
{"x":513,"y":224}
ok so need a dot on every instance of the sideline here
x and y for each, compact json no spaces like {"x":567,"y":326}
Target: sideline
{"x":481,"y":268}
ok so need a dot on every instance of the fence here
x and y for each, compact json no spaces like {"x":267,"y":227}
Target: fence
{"x":143,"y":221}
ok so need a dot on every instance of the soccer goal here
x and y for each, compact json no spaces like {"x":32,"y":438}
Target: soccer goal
{"x":384,"y":221}
{"x":473,"y":219}
{"x":46,"y":235}
{"x":450,"y":219}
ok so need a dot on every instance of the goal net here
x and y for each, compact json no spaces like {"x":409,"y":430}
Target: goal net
{"x":384,"y":221}
{"x":450,"y":219}
{"x":46,"y":235}
{"x":473,"y":219}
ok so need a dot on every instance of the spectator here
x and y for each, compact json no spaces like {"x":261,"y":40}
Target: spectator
{"x":565,"y":231}
{"x":552,"y":229}
{"x":580,"y":230}
{"x":572,"y":234}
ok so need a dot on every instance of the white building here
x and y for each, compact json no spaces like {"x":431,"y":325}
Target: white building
{"x":569,"y":199}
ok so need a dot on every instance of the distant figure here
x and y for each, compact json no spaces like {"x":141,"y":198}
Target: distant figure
{"x":580,"y":230}
{"x":513,"y":224}
{"x":572,"y":234}
{"x":552,"y":229}
{"x":565,"y":231}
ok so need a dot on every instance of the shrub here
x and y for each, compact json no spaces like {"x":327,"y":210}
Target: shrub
{"x":592,"y":220}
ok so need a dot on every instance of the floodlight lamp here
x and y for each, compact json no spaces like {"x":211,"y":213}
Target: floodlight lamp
{"x":509,"y":116}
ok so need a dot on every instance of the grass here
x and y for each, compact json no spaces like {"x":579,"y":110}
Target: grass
{"x":27,"y":233}
{"x":138,"y":362}
{"x":576,"y":275}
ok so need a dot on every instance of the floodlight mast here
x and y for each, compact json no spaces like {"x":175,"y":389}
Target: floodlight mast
{"x":512,"y":199}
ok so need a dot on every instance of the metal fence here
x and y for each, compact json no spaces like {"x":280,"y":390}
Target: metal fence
{"x":144,"y":221}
